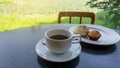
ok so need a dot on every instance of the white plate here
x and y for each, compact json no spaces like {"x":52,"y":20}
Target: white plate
{"x":108,"y":36}
{"x":44,"y":53}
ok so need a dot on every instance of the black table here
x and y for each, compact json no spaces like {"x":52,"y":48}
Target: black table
{"x":17,"y":50}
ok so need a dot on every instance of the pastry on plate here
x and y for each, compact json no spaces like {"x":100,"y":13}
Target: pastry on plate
{"x":82,"y":30}
{"x":94,"y":35}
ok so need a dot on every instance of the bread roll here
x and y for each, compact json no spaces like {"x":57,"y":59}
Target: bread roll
{"x":82,"y":30}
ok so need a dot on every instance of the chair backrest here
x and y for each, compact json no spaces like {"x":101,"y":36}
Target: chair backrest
{"x":76,"y":14}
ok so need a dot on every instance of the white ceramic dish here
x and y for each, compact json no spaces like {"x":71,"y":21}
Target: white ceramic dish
{"x":108,"y":36}
{"x":44,"y":52}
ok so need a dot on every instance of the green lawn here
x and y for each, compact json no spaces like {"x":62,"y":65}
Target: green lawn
{"x":6,"y":1}
{"x":23,"y":13}
{"x":9,"y":22}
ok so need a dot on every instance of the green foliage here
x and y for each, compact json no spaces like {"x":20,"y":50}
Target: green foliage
{"x":112,"y":9}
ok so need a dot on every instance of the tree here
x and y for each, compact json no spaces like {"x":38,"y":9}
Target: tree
{"x":112,"y":7}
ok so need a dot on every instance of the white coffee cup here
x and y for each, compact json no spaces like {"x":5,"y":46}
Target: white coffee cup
{"x":59,"y":40}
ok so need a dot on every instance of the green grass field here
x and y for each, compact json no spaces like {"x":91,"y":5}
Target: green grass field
{"x":9,"y":22}
{"x":24,"y":13}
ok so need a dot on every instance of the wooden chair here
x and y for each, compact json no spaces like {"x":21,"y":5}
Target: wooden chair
{"x":76,"y":14}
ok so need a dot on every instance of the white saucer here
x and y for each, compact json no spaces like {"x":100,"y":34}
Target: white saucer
{"x":44,"y":52}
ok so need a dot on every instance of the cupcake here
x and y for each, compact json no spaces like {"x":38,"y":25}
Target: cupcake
{"x":94,"y":35}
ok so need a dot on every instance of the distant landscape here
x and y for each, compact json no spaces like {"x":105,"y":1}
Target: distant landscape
{"x":23,"y":13}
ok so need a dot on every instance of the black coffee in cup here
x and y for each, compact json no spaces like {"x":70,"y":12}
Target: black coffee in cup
{"x":59,"y":37}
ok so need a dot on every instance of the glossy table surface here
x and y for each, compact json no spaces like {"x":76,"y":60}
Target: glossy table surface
{"x":17,"y":50}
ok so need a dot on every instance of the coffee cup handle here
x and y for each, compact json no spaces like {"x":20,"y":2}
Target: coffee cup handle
{"x":76,"y":38}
